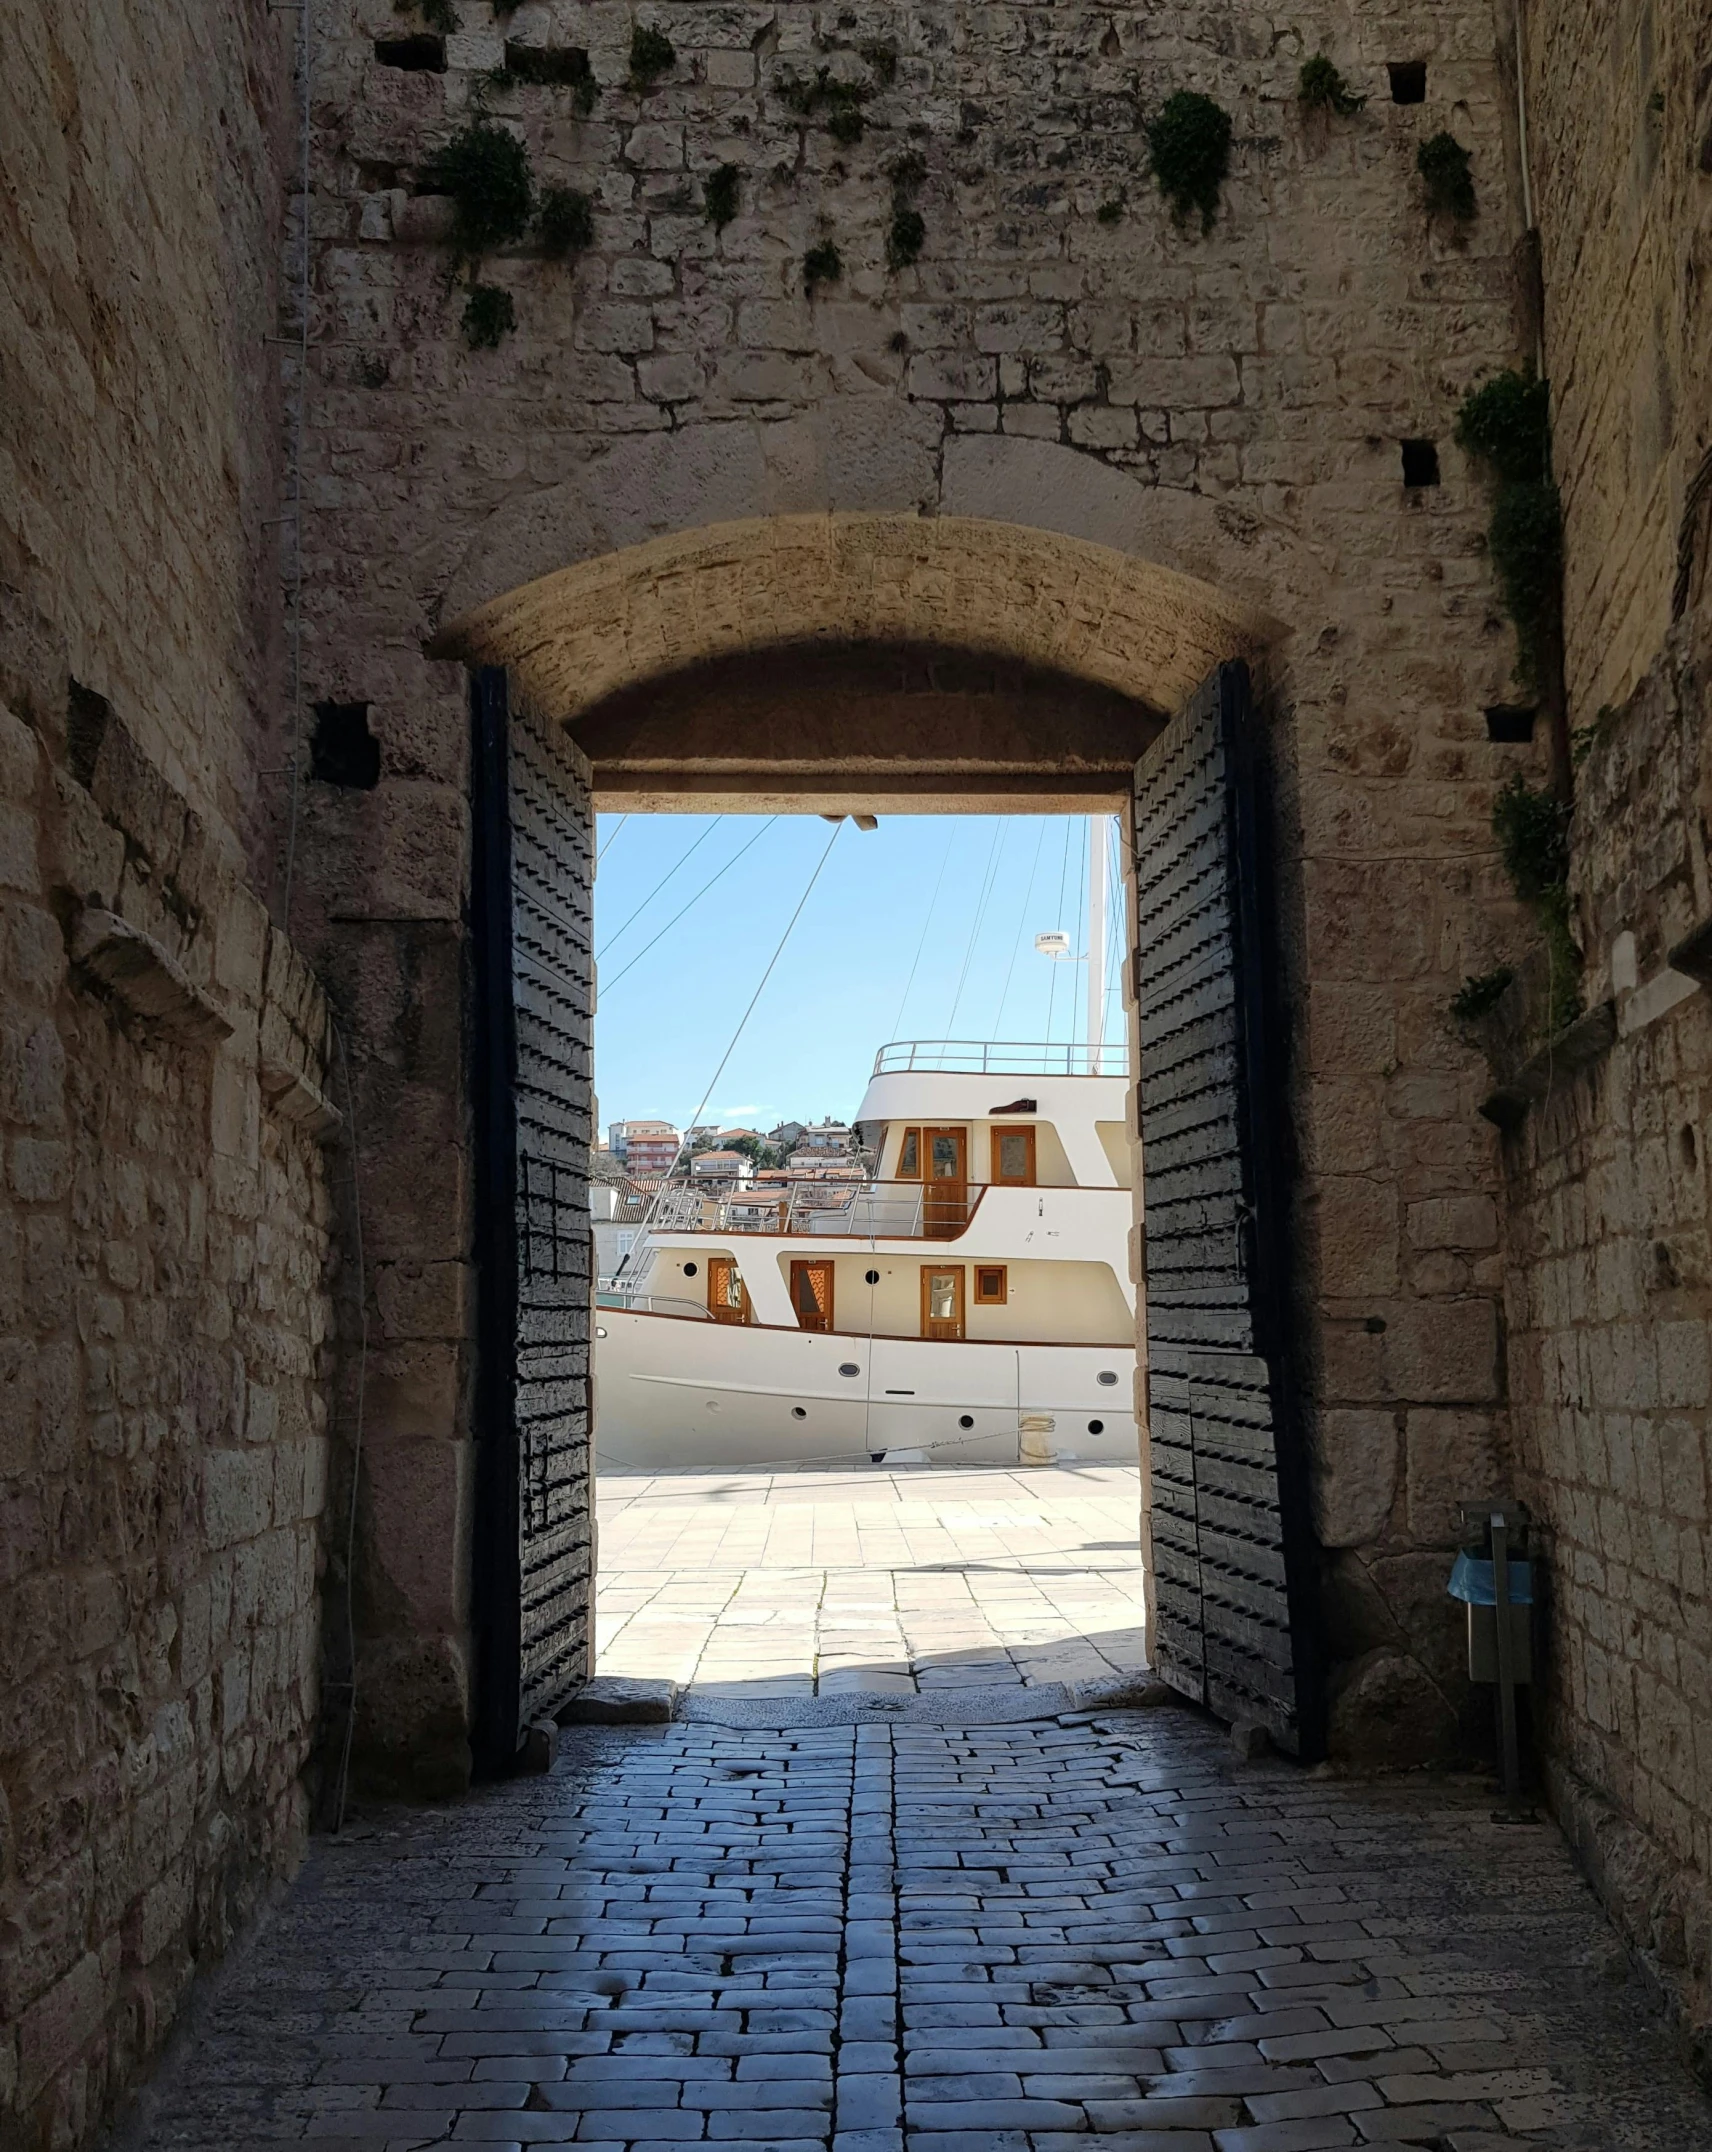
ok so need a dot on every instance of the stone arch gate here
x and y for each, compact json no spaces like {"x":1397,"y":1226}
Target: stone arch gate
{"x":873,"y":663}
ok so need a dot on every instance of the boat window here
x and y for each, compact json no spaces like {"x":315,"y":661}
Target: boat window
{"x":727,"y":1295}
{"x":811,"y":1295}
{"x":947,"y":1154}
{"x":941,"y":1301}
{"x":909,"y":1157}
{"x":992,"y":1285}
{"x":1013,"y":1157}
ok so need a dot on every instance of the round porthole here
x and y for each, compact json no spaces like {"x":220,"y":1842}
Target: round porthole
{"x":966,"y":1420}
{"x":799,"y":1412}
{"x":849,"y":1367}
{"x":1096,"y":1427}
{"x":598,"y":1331}
{"x":872,"y":1276}
{"x":689,"y":1272}
{"x":1106,"y":1377}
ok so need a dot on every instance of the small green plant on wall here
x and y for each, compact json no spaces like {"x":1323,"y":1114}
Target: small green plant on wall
{"x":489,"y":317}
{"x":841,"y":101}
{"x":1532,"y":828}
{"x":906,"y":234}
{"x":1189,"y":142}
{"x":719,"y":195}
{"x":439,"y":15}
{"x":1480,"y":993}
{"x":485,"y":170}
{"x":1444,"y":166}
{"x":822,"y":264}
{"x":1321,"y":87}
{"x":652,"y":54}
{"x":1505,"y":424}
{"x":564,"y":223}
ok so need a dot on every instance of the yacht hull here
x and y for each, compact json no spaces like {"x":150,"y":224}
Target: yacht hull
{"x":672,"y":1392}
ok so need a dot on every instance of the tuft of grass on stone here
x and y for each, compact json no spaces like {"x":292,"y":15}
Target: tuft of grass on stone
{"x":439,"y":15}
{"x":719,"y":195}
{"x":1506,"y":424}
{"x":1443,"y":164}
{"x":822,"y":264}
{"x":905,"y":237}
{"x":1321,"y":87}
{"x":564,"y":223}
{"x":554,"y":67}
{"x":1480,"y":993}
{"x":1189,"y":142}
{"x":489,"y":317}
{"x":485,"y":170}
{"x":652,"y":54}
{"x":1111,"y":212}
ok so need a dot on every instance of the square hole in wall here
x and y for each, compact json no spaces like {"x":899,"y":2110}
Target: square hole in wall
{"x":1408,"y":81}
{"x":419,"y":55}
{"x":1420,"y":463}
{"x":1511,"y":724}
{"x":342,"y":749}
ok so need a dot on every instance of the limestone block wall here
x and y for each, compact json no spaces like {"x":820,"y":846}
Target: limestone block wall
{"x":163,"y":1209}
{"x":1061,"y":357}
{"x":1605,"y":1236}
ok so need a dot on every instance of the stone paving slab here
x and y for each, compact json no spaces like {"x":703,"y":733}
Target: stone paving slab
{"x":1044,"y":1936}
{"x":881,"y":1582}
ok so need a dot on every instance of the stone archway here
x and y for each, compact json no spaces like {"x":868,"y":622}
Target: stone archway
{"x":651,"y":673}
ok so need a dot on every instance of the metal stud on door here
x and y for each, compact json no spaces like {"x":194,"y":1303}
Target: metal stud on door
{"x":1234,"y":1561}
{"x":533,"y":977}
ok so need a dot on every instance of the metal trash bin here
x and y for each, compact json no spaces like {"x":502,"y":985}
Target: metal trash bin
{"x":1474,"y":1581}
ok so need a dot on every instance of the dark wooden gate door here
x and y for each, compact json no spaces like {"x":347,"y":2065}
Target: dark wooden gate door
{"x":531,"y":886}
{"x":1234,"y":1564}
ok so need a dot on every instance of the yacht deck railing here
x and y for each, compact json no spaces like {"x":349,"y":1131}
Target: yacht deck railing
{"x":1004,"y":1057}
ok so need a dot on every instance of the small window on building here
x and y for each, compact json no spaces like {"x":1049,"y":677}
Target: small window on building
{"x":1408,"y":81}
{"x":992,"y":1285}
{"x":1510,"y":724}
{"x":420,"y":55}
{"x":909,"y":1156}
{"x":1420,"y":463}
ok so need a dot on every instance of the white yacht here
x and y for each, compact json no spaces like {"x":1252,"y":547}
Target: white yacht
{"x":966,"y":1299}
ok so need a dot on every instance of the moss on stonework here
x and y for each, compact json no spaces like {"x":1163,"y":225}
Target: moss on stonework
{"x":564,"y":223}
{"x":1532,"y":828}
{"x":822,"y":264}
{"x":719,"y":195}
{"x":1444,"y":166}
{"x":485,"y":170}
{"x":489,"y":317}
{"x":1189,"y":142}
{"x":1321,"y":87}
{"x":1505,"y":424}
{"x":652,"y":54}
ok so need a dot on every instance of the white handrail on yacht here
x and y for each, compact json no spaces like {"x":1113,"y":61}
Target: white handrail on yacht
{"x":872,"y":1210}
{"x":981,"y":1057}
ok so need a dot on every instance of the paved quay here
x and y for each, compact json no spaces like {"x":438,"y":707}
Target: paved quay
{"x":875,"y":1582}
{"x":899,"y":1936}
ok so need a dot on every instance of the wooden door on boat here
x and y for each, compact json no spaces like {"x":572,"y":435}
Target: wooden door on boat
{"x":727,"y":1295}
{"x":811,"y":1294}
{"x":945,"y":1168}
{"x":1013,"y":1157}
{"x":942,"y":1300}
{"x":1234,"y":1566}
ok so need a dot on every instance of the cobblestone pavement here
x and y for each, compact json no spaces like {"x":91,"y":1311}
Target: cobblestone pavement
{"x":878,"y":1582}
{"x":1031,"y":1937}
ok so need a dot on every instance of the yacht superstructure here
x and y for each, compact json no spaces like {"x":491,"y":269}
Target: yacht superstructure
{"x":966,"y":1300}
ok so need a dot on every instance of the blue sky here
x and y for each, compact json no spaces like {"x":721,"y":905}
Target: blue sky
{"x":982,"y":886}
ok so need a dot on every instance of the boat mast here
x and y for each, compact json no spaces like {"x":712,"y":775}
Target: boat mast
{"x":1096,"y":939}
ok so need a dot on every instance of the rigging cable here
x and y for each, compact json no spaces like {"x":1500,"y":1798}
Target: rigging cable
{"x":926,"y":928}
{"x":1022,"y":928}
{"x":1063,"y":875}
{"x":691,"y":905}
{"x":744,"y":1019}
{"x":619,"y":933}
{"x":613,"y":832}
{"x":987,"y":880}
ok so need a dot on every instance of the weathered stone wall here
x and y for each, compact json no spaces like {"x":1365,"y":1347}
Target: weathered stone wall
{"x":1608,"y":1263}
{"x":163,"y":1233}
{"x":1228,"y":405}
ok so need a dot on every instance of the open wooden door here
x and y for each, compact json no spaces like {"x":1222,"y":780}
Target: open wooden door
{"x":1235,"y":1570}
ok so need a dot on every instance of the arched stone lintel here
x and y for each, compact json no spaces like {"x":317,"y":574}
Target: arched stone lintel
{"x":596,"y":629}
